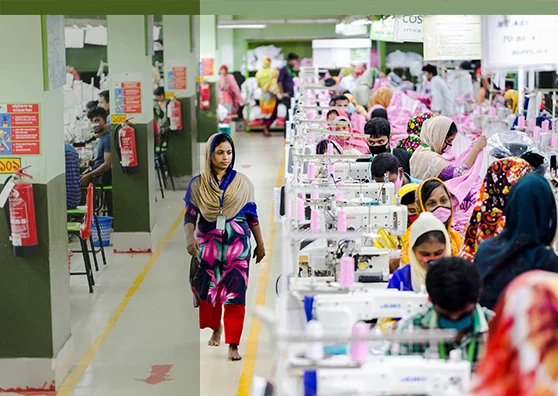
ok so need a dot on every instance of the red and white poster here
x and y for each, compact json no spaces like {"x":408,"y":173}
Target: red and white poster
{"x":128,"y":98}
{"x":20,"y":129}
{"x":179,"y":78}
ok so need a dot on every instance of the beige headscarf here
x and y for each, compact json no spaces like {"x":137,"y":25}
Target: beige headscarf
{"x":425,"y":223}
{"x":427,"y":162}
{"x":381,"y":97}
{"x":205,"y":194}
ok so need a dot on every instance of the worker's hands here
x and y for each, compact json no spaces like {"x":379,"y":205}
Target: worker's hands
{"x":480,"y":143}
{"x":259,"y":253}
{"x":193,"y":246}
{"x":85,"y":179}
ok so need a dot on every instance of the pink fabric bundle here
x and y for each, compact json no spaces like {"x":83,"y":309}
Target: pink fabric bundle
{"x":466,"y":186}
{"x":400,"y":110}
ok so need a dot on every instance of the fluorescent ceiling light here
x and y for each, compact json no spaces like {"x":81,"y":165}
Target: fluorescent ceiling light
{"x":251,"y":26}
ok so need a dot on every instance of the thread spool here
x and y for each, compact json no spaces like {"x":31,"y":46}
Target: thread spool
{"x":492,"y":112}
{"x":478,"y":111}
{"x":311,"y":171}
{"x":331,"y":169}
{"x":359,"y":349}
{"x":330,"y":148}
{"x":521,"y":122}
{"x":341,"y":221}
{"x":531,"y":124}
{"x":301,"y":211}
{"x":339,"y":196}
{"x":315,"y":195}
{"x":347,"y":271}
{"x":314,"y":350}
{"x":545,"y":125}
{"x":537,"y":134}
{"x":315,"y":221}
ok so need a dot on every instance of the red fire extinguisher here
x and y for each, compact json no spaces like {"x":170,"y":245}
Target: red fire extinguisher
{"x":205,"y":94}
{"x":20,"y":214}
{"x":174,"y":112}
{"x":125,"y":136}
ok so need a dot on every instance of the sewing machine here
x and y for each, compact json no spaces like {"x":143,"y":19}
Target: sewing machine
{"x":397,"y":375}
{"x":339,"y":312}
{"x":377,"y":193}
{"x":357,"y":171}
{"x":371,"y":218}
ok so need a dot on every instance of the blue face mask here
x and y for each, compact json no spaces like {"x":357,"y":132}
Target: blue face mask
{"x":351,"y":108}
{"x":458,"y":325}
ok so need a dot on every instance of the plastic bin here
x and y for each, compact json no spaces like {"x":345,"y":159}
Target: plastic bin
{"x":105,"y":224}
{"x":225,"y":128}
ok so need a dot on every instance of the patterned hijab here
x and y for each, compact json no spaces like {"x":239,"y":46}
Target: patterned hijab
{"x":205,"y":193}
{"x":521,"y":356}
{"x":414,"y":127}
{"x":487,"y":219}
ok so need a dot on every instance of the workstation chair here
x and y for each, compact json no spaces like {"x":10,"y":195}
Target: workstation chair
{"x":83,"y":232}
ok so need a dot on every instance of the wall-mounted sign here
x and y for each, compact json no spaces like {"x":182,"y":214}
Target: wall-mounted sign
{"x":127,"y":93}
{"x":176,"y":78}
{"x":383,"y":30}
{"x":19,"y":129}
{"x":408,"y":28}
{"x":9,"y":165}
{"x":511,"y":42}
{"x":452,"y":37}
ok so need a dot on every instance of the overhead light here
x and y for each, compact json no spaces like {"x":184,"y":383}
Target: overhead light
{"x":235,"y":26}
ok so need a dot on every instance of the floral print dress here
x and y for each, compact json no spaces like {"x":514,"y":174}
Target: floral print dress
{"x":224,"y":256}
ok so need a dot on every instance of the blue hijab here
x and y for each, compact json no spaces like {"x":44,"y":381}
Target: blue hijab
{"x":523,"y":245}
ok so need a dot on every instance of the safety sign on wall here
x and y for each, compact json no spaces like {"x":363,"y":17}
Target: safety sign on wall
{"x":128,"y":97}
{"x":206,"y":67}
{"x":19,"y":129}
{"x":177,"y":79}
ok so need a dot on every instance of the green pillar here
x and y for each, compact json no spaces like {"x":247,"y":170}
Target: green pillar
{"x":183,"y":150}
{"x":36,"y":348}
{"x":130,"y":64}
{"x":208,"y":124}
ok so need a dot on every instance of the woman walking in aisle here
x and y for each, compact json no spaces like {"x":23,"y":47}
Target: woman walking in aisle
{"x":229,"y":92}
{"x":267,"y":82}
{"x":224,"y":202}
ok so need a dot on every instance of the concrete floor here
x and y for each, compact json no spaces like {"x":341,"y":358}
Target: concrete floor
{"x":138,"y":335}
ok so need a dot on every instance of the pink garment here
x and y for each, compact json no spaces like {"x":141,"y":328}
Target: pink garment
{"x":352,"y":142}
{"x":229,"y":93}
{"x":400,"y":110}
{"x":358,"y":122}
{"x":465,"y":187}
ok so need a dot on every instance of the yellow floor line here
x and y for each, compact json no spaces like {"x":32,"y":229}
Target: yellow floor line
{"x":77,"y":372}
{"x":245,"y":381}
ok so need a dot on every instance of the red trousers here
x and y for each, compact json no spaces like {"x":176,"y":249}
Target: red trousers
{"x":210,"y":317}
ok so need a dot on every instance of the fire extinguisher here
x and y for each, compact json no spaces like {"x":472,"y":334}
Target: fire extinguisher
{"x":125,"y":140}
{"x":174,"y":112}
{"x":205,"y":94}
{"x":20,"y":214}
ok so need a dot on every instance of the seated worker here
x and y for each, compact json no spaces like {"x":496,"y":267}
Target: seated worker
{"x":387,"y":240}
{"x":104,"y":102}
{"x":454,"y":286}
{"x":73,"y":191}
{"x":387,"y":164}
{"x":429,"y":241}
{"x":102,"y":166}
{"x":433,"y":196}
{"x":378,"y":132}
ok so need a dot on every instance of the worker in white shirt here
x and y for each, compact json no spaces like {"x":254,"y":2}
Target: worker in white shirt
{"x":442,"y":100}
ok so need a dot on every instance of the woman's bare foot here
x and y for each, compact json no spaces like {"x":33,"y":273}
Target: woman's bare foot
{"x":233,"y":353}
{"x":266,"y":132}
{"x":215,"y":339}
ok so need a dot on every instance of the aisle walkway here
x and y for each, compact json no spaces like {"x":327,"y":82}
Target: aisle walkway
{"x":137,"y":334}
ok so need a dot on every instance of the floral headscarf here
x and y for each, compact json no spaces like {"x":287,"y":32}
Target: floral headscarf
{"x":522,"y":348}
{"x":487,"y":219}
{"x":414,"y":127}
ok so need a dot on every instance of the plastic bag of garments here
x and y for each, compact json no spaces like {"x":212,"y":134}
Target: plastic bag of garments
{"x":509,"y":143}
{"x":222,"y":112}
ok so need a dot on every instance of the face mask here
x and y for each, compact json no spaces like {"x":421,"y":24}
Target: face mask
{"x":375,"y":150}
{"x":351,"y":108}
{"x":426,"y":261}
{"x":442,"y":213}
{"x":412,"y":218}
{"x":458,"y":325}
{"x":94,"y":128}
{"x":398,"y":183}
